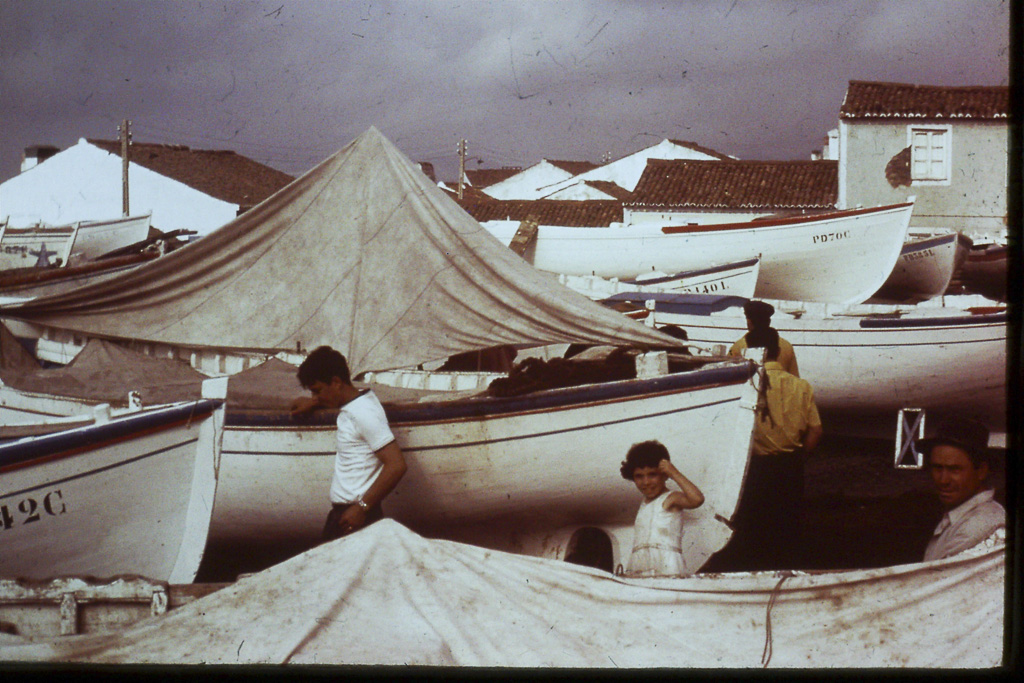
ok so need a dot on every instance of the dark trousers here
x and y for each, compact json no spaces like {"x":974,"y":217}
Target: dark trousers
{"x":332,"y":527}
{"x":768,"y":524}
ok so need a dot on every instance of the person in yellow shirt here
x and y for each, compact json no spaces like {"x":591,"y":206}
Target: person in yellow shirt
{"x":759,"y":317}
{"x":768,"y":521}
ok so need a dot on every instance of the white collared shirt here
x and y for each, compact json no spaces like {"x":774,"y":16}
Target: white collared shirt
{"x":965,"y":526}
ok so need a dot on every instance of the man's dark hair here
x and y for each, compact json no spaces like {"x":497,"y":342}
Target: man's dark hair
{"x":969,"y":435}
{"x":643,"y":454}
{"x":759,"y":313}
{"x":766,"y":338}
{"x":321,"y":365}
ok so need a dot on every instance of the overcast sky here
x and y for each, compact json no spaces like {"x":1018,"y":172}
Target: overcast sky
{"x":288,"y":83}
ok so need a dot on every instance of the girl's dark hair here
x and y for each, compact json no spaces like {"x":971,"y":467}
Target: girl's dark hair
{"x":643,"y":454}
{"x":322,"y":364}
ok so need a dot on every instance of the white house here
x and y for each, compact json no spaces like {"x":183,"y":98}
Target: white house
{"x":949,"y":146}
{"x":530,"y":183}
{"x":183,"y":188}
{"x":626,"y":172}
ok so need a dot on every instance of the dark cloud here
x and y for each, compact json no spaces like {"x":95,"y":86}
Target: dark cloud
{"x":288,"y":83}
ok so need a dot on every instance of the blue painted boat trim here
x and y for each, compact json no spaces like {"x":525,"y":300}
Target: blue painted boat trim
{"x":49,"y":446}
{"x":927,"y":243}
{"x":490,"y":407}
{"x":82,"y":475}
{"x":948,"y":321}
{"x":749,"y":263}
{"x":690,"y":304}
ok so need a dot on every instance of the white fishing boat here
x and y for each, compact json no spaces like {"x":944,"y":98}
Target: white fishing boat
{"x":736,"y":279}
{"x":42,"y":245}
{"x":925,"y":267}
{"x":439,"y":603}
{"x":505,"y":472}
{"x":131,"y":495}
{"x":871,"y":358}
{"x":856,"y":248}
{"x":514,"y":473}
{"x":23,"y":285}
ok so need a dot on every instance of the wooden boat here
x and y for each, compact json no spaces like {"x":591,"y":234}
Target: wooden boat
{"x":131,"y":495}
{"x":42,"y":246}
{"x":503,"y":472}
{"x":737,"y":279}
{"x":870,"y":359}
{"x":986,"y":271}
{"x":25,"y":284}
{"x":857,"y":248}
{"x":925,"y":267}
{"x":438,"y":603}
{"x":481,"y":468}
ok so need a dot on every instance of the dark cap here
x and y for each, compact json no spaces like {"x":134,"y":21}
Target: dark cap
{"x":970,"y":435}
{"x":758,"y":311}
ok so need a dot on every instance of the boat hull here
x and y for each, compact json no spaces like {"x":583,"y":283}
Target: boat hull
{"x":735,"y":279}
{"x":27,"y":247}
{"x":129,"y":496}
{"x":857,"y":249}
{"x":936,"y":359}
{"x":502,"y":471}
{"x":925,"y":268}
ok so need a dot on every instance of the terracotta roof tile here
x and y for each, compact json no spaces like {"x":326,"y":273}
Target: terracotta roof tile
{"x":469,"y":193}
{"x":700,"y":148}
{"x":573,"y":214}
{"x":573,"y":167}
{"x":866,"y":99}
{"x":611,"y":189}
{"x":485,"y":177}
{"x":684,"y":183}
{"x":222,"y":174}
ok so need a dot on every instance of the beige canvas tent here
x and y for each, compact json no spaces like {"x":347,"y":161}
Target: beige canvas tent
{"x":363,"y":253}
{"x":388,"y":596}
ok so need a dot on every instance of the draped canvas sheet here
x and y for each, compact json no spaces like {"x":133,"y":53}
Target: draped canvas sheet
{"x":363,"y":253}
{"x":388,"y":596}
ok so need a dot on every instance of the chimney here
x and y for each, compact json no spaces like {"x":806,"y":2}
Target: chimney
{"x":35,"y":155}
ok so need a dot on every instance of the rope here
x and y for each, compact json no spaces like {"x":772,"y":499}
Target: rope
{"x":766,"y":654}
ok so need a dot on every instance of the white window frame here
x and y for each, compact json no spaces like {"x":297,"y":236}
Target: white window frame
{"x":945,"y":157}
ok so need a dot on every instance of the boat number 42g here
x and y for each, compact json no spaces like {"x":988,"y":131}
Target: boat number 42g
{"x":28,"y":510}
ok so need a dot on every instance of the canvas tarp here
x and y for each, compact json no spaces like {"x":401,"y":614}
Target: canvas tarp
{"x":105,"y":371}
{"x":362,"y":253}
{"x":388,"y":596}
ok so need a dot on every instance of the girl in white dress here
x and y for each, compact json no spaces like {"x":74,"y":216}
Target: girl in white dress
{"x":658,"y":527}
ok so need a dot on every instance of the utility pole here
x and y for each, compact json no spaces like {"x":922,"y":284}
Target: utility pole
{"x":124,"y":134}
{"x":462,"y":166}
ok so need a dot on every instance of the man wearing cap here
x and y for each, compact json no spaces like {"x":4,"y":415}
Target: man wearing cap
{"x":958,"y":462}
{"x":768,"y":521}
{"x":759,"y":317}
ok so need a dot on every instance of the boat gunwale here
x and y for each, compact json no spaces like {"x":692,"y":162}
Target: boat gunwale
{"x":33,"y":451}
{"x":738,"y":265}
{"x":928,"y":242}
{"x":500,"y":407}
{"x":780,"y":222}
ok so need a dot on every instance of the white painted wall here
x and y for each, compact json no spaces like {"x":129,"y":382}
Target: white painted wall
{"x":83,"y":182}
{"x":527,"y":183}
{"x":626,"y":171}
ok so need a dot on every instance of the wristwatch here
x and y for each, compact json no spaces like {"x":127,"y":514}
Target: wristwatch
{"x":362,"y":503}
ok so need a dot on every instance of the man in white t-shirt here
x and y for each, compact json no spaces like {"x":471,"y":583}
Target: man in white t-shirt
{"x":368,"y":463}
